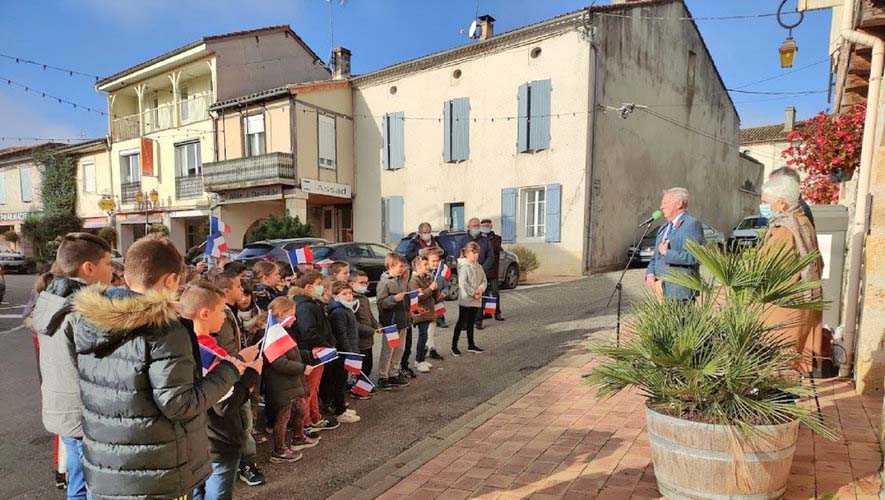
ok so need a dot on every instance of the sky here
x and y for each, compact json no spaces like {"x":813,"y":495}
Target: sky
{"x":102,"y":37}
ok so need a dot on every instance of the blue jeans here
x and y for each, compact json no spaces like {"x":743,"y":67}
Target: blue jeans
{"x":76,"y":481}
{"x":220,"y":485}
{"x":422,"y":340}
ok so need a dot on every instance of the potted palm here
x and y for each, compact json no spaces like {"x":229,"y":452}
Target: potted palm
{"x":723,"y":408}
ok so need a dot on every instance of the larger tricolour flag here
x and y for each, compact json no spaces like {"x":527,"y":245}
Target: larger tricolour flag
{"x":301,"y":255}
{"x":217,"y":225}
{"x":210,"y":355}
{"x":391,"y":334}
{"x":215,"y":245}
{"x":277,"y":340}
{"x":325,"y":355}
{"x":490,"y":305}
{"x":363,"y":385}
{"x":413,"y":300}
{"x":353,"y":362}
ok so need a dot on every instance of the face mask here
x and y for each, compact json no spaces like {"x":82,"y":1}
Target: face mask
{"x":486,"y":230}
{"x":361,"y":289}
{"x":426,"y":237}
{"x":318,"y":292}
{"x":474,"y":232}
{"x":350,"y":304}
{"x":765,"y":210}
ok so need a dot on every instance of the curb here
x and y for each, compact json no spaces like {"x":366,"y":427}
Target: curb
{"x":375,"y":483}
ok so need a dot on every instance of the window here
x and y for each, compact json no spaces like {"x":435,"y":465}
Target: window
{"x":255,"y":135}
{"x":392,"y":219}
{"x":88,"y":177}
{"x":691,"y":71}
{"x":26,"y":186}
{"x":378,"y":250}
{"x":456,"y":216}
{"x":183,"y":103}
{"x":2,"y":188}
{"x":328,"y":220}
{"x":187,"y":159}
{"x":533,"y":212}
{"x":456,"y":129}
{"x":326,"y":141}
{"x":393,"y":138}
{"x":130,"y":167}
{"x":358,"y":252}
{"x":533,"y":116}
{"x":538,"y":215}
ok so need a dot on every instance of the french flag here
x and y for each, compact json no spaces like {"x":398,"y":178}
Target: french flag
{"x":413,"y":301}
{"x":301,"y":255}
{"x":363,"y":386}
{"x":443,"y":271}
{"x":391,"y":334}
{"x":353,"y":362}
{"x":440,"y":309}
{"x":325,"y":355}
{"x":215,"y":245}
{"x":277,"y":340}
{"x":490,"y":305}
{"x":217,"y":225}
{"x":208,"y":358}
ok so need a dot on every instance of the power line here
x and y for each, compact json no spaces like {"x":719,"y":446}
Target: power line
{"x":781,"y":75}
{"x":797,"y":92}
{"x":689,"y":18}
{"x":41,"y":139}
{"x":70,"y":72}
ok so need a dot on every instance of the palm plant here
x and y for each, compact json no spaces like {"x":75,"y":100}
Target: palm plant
{"x":716,"y":360}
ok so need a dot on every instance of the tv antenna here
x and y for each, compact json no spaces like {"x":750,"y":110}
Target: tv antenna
{"x":473,"y":30}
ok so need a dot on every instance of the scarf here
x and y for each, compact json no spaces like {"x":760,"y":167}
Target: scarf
{"x":804,"y":240}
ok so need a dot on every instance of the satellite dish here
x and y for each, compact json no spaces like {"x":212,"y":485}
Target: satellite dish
{"x":471,"y":32}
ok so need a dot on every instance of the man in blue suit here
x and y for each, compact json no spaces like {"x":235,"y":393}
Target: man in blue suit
{"x":670,"y":254}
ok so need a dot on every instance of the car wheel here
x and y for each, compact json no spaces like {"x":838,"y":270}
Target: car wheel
{"x":511,"y":277}
{"x":453,"y":287}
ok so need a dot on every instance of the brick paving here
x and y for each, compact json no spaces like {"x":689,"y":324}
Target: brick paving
{"x":559,"y":441}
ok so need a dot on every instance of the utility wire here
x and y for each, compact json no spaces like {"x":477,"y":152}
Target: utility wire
{"x":797,"y":92}
{"x":70,"y":72}
{"x":42,"y":139}
{"x":689,"y":18}
{"x":781,"y":75}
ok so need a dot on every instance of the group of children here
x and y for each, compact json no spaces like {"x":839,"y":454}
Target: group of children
{"x":155,"y":386}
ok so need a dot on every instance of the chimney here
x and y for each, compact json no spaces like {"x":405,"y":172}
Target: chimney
{"x":486,"y":27}
{"x":341,"y":63}
{"x":789,"y":118}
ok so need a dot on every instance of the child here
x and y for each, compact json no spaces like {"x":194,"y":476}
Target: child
{"x":340,"y":271}
{"x":203,"y":311}
{"x":248,"y":314}
{"x":392,"y":310}
{"x":422,"y":281}
{"x":433,"y":258}
{"x":367,"y":325}
{"x":82,"y":259}
{"x":312,"y":330}
{"x":286,"y":387}
{"x":471,"y":284}
{"x":344,"y":325}
{"x":139,"y":380}
{"x":266,"y":277}
{"x":285,"y":277}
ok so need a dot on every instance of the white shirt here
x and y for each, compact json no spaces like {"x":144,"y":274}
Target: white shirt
{"x":672,"y":224}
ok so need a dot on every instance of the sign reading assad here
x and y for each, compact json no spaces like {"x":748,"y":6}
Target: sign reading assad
{"x":327,"y":188}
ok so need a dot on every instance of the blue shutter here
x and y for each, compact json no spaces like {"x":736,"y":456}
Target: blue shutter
{"x":385,"y":142}
{"x":384,"y":218}
{"x":461,"y":129}
{"x":539,"y":136}
{"x":522,"y":119}
{"x":27,"y":191}
{"x":508,"y":214}
{"x":394,"y":219}
{"x":447,"y":131}
{"x":397,"y":153}
{"x":552,"y":202}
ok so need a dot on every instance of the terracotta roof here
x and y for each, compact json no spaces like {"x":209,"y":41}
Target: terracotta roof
{"x":203,"y":40}
{"x":26,"y":151}
{"x":766,"y":133}
{"x":292,"y":88}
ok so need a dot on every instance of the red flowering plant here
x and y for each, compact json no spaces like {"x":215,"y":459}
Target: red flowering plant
{"x":827,"y":149}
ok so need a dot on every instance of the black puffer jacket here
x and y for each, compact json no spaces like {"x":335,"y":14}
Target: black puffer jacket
{"x":312,"y":329}
{"x":367,"y":324}
{"x":144,"y":396}
{"x":284,"y":379}
{"x":344,"y":326}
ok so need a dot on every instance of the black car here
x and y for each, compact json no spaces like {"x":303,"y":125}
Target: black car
{"x":365,"y":257}
{"x":274,"y":250}
{"x":646,"y":248}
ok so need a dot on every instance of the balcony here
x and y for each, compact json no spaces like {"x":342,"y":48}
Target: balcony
{"x":188,"y":187}
{"x":124,"y":128}
{"x":193,"y":109}
{"x":128,"y":190}
{"x":263,"y":170}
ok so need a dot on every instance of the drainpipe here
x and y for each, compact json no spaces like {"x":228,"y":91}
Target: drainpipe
{"x":589,"y":35}
{"x":858,"y":228}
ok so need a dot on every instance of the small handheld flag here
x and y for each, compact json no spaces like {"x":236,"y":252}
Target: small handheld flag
{"x":215,"y":245}
{"x":440,"y":309}
{"x":208,"y":358}
{"x":353,"y":362}
{"x":217,"y":225}
{"x":363,"y":385}
{"x":413,"y":300}
{"x":391,"y":334}
{"x":277,"y":340}
{"x":301,"y":255}
{"x":443,"y":271}
{"x":325,"y":355}
{"x":490,"y":305}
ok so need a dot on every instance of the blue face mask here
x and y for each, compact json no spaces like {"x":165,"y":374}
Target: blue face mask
{"x":474,"y":232}
{"x":485,"y":230}
{"x":765,"y":210}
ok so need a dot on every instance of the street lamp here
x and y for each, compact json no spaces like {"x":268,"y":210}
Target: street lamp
{"x":788,"y":48}
{"x":146,"y":202}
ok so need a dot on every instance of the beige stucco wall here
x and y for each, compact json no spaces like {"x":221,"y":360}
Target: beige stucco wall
{"x":491,"y":82}
{"x":241,"y":216}
{"x":767,"y":153}
{"x":14,"y":201}
{"x":87,"y":203}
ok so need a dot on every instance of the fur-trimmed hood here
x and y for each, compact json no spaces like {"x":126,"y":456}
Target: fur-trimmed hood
{"x":110,"y":314}
{"x":297,"y":291}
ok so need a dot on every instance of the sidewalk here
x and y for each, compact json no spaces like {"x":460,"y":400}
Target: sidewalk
{"x":559,"y":441}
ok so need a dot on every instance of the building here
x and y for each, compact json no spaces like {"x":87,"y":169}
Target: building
{"x":766,"y":143}
{"x":20,"y":189}
{"x":161,"y":130}
{"x":530,"y":128}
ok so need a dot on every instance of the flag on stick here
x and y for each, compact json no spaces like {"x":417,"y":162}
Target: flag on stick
{"x":490,"y":305}
{"x":215,"y":245}
{"x":440,"y":309}
{"x":413,"y":300}
{"x":363,"y":386}
{"x":391,"y":334}
{"x":217,"y":225}
{"x":353,"y":362}
{"x":443,"y":271}
{"x":325,"y":355}
{"x":277,"y":340}
{"x":301,"y":255}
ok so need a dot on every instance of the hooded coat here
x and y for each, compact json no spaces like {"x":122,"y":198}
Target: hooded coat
{"x":284,"y":379}
{"x":390,"y":310}
{"x":144,"y":395}
{"x":344,"y":325}
{"x":312,"y":329}
{"x":426,"y":304}
{"x":367,"y":325}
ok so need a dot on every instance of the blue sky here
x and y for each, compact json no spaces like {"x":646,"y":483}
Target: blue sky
{"x":102,"y":37}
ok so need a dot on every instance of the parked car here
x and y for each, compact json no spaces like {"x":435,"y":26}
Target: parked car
{"x":747,"y":234}
{"x":647,"y":245}
{"x":508,"y":265}
{"x":273,"y":250}
{"x":197,"y":254}
{"x":10,"y":260}
{"x":365,"y":257}
{"x":116,"y":256}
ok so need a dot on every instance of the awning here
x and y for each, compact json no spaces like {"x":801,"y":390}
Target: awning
{"x":95,"y":222}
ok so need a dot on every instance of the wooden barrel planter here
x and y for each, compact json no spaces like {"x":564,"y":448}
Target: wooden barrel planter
{"x":695,"y":460}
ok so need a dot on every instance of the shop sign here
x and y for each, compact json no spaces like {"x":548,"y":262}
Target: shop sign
{"x":326,"y":188}
{"x":258,"y":193}
{"x":15,"y":216}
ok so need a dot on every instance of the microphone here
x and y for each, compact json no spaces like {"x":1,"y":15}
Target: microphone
{"x":655,"y":216}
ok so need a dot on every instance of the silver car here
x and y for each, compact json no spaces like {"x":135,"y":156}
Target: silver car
{"x":10,"y":260}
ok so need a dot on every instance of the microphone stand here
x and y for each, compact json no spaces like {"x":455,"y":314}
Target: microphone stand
{"x":619,"y":286}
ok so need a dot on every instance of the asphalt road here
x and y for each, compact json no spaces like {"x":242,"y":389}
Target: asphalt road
{"x":542,"y":322}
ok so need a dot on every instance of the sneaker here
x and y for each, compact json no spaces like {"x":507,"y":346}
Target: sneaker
{"x":304,"y":444}
{"x":444,"y":325}
{"x":312,"y":434}
{"x":475,"y":350}
{"x":408,"y":372}
{"x":398,"y":381}
{"x":349,"y":418}
{"x":456,"y":352}
{"x":435,"y":355}
{"x":423,"y":367}
{"x":349,"y":412}
{"x":360,"y":396}
{"x":479,"y":326}
{"x":331,"y":424}
{"x":252,"y":475}
{"x":287,"y":456}
{"x":384,"y":384}
{"x":499,"y":317}
{"x":373,"y":391}
{"x":61,"y":480}
{"x":259,"y":437}
{"x":428,"y":363}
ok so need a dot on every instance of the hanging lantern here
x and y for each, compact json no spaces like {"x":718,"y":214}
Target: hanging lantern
{"x":154,"y":196}
{"x":788,"y":52}
{"x":139,"y":197}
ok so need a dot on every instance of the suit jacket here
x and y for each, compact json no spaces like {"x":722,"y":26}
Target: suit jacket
{"x":677,"y":260}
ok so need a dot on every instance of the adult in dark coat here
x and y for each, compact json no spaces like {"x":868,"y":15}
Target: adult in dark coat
{"x":492,"y":270}
{"x":422,"y":239}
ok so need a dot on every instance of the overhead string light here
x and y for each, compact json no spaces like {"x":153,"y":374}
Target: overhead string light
{"x":70,"y":72}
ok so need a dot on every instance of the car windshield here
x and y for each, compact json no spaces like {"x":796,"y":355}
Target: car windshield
{"x":449,"y":243}
{"x":320,"y":253}
{"x":255,"y":250}
{"x":752,"y":223}
{"x":403,"y":245}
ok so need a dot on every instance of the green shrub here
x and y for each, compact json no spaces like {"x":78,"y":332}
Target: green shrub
{"x":11,"y":237}
{"x":158,"y":228}
{"x":44,"y":231}
{"x":108,"y":234}
{"x":528,"y":259}
{"x":279,"y":227}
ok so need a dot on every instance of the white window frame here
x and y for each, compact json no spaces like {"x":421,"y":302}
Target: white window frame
{"x":89,"y":184}
{"x":25,"y":172}
{"x":327,"y":161}
{"x":128,"y":154}
{"x":532,"y":198}
{"x":181,"y":164}
{"x":183,"y":108}
{"x":260,"y":136}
